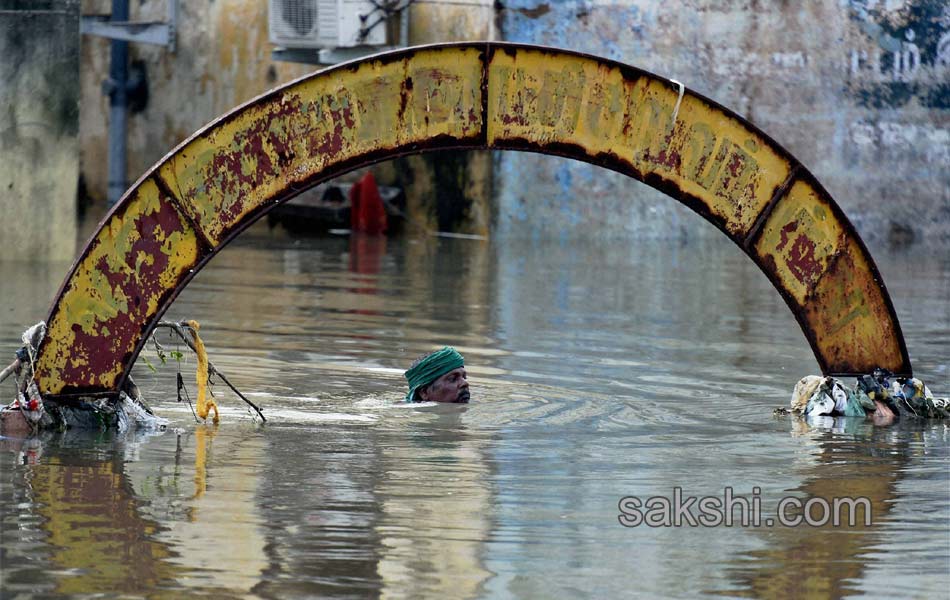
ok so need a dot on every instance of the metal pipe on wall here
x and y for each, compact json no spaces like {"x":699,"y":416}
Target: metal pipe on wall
{"x":117,"y":88}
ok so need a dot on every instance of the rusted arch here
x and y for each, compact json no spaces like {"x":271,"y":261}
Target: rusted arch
{"x":484,"y":95}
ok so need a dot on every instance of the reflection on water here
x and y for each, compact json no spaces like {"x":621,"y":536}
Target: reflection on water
{"x":432,"y":534}
{"x":830,"y":561}
{"x":215,"y":524}
{"x":597,"y":372}
{"x":80,"y":520}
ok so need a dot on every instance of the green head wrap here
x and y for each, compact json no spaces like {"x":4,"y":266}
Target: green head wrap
{"x":431,"y":367}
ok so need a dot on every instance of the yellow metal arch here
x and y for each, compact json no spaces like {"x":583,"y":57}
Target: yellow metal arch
{"x":478,"y":95}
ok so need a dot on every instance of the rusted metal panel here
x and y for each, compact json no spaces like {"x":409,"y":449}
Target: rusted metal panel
{"x":121,"y":281}
{"x":851,"y":321}
{"x":812,"y":254}
{"x":638,"y":124}
{"x":467,"y":95}
{"x":799,"y":239}
{"x":286,"y":140}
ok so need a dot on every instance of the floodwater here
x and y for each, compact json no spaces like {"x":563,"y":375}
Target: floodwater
{"x":598,"y":372}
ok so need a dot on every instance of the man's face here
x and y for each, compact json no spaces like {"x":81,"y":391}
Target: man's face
{"x":451,"y":387}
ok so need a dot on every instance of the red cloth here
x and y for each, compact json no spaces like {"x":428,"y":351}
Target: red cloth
{"x":367,"y":213}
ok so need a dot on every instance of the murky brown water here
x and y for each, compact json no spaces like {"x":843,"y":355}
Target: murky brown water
{"x":597,"y":371}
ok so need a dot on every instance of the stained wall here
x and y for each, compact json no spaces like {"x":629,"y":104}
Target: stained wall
{"x":857,"y":90}
{"x":39,"y":129}
{"x":223,"y":58}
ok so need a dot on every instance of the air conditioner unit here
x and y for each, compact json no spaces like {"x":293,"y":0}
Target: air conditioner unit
{"x":325,"y":23}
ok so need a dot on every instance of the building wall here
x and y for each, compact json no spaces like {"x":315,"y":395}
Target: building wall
{"x":857,"y":90}
{"x":820,"y":77}
{"x":223,"y":58}
{"x":39,"y":126}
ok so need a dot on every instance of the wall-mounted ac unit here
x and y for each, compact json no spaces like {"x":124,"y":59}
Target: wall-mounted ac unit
{"x":325,"y":23}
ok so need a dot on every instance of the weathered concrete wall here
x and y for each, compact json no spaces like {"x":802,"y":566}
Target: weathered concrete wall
{"x":39,"y":126}
{"x":820,"y":78}
{"x":223,"y":58}
{"x":856,"y":89}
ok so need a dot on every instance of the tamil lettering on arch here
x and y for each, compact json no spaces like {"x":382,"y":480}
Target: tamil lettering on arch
{"x":718,"y":163}
{"x":603,"y":108}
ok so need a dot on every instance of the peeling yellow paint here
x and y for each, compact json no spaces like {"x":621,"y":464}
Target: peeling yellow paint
{"x":312,"y":125}
{"x":627,"y":118}
{"x":96,"y":303}
{"x":537,"y":99}
{"x":820,"y":264}
{"x":800,"y":231}
{"x":849,"y":315}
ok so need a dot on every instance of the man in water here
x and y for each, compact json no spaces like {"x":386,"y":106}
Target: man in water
{"x":438,"y":377}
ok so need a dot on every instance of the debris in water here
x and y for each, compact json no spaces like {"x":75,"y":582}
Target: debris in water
{"x":879,"y":394}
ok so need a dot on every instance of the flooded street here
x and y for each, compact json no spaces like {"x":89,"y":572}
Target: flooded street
{"x":598,"y":371}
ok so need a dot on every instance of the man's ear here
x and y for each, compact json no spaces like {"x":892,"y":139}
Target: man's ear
{"x":423,"y":393}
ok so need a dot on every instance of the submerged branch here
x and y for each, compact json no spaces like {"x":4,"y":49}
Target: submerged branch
{"x":180,"y":329}
{"x":14,"y":366}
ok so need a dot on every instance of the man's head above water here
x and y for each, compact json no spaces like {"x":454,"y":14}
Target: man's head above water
{"x":438,"y":377}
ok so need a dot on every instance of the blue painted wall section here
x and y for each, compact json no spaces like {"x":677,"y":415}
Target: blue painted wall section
{"x":859,"y":90}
